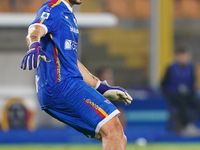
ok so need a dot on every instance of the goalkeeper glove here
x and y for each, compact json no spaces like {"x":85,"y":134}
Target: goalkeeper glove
{"x":113,"y":93}
{"x":33,"y":56}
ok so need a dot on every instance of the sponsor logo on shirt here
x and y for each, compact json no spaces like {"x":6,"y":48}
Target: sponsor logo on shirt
{"x":71,"y":45}
{"x":74,"y":30}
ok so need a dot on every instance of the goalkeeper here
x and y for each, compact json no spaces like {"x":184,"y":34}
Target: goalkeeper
{"x":65,"y":88}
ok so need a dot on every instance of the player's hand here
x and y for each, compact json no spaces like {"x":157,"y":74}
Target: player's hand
{"x":114,"y":93}
{"x":32,"y":58}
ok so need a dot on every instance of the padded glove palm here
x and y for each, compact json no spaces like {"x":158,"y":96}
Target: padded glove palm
{"x":114,"y":93}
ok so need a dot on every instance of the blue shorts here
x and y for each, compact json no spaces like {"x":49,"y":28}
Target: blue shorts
{"x":84,"y":109}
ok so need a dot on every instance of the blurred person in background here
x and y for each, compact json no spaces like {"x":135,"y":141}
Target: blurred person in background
{"x":20,"y":5}
{"x":106,"y":73}
{"x":178,"y":86}
{"x":13,"y":4}
{"x":17,"y":5}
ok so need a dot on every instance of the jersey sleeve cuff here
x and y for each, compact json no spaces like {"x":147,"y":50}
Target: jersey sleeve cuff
{"x":42,"y":25}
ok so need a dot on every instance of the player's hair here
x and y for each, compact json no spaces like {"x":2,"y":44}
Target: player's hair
{"x":182,"y":48}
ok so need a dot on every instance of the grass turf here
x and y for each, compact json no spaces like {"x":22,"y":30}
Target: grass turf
{"x":180,"y":146}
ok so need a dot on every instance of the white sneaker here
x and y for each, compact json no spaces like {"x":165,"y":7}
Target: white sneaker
{"x":190,"y":130}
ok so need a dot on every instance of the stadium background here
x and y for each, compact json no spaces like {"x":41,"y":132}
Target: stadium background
{"x":138,"y":49}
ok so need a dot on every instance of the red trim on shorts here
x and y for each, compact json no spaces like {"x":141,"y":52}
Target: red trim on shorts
{"x":100,"y":114}
{"x":95,"y":109}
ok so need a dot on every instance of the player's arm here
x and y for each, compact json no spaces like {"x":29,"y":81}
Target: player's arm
{"x":111,"y":93}
{"x":35,"y":32}
{"x":87,"y":76}
{"x":35,"y":54}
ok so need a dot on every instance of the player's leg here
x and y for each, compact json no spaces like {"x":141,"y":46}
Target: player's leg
{"x":194,"y":102}
{"x":180,"y":104}
{"x":112,"y":135}
{"x":90,"y":113}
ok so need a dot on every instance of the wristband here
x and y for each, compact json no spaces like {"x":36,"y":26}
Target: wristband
{"x":98,"y":84}
{"x":34,"y":45}
{"x":102,"y":87}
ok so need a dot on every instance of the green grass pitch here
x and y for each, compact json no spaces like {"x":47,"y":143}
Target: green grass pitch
{"x":180,"y":146}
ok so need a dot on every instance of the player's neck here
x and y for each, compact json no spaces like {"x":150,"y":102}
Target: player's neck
{"x":68,"y":3}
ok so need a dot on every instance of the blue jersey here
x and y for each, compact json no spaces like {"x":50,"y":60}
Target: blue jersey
{"x":60,"y":43}
{"x":62,"y":93}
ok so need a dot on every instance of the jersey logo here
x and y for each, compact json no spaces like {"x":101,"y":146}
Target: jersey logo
{"x":74,"y":30}
{"x":68,"y":44}
{"x":71,"y":45}
{"x":107,"y":101}
{"x":45,"y":15}
{"x":96,"y":108}
{"x":48,"y":9}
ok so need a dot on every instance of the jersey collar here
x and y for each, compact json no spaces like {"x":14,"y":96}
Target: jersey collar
{"x":68,"y":6}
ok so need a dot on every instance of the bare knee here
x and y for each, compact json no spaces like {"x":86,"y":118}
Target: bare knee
{"x":124,"y":139}
{"x":112,"y":135}
{"x":116,"y":132}
{"x":113,"y":130}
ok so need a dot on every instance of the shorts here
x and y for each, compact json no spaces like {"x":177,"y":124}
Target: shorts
{"x":84,"y":109}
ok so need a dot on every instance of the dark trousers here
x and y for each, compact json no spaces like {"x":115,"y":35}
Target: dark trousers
{"x":181,"y":102}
